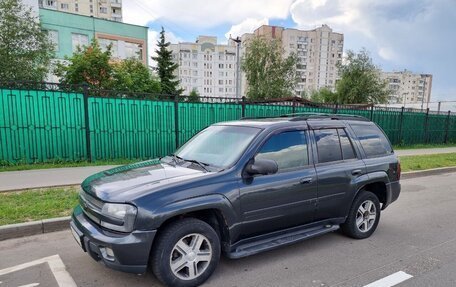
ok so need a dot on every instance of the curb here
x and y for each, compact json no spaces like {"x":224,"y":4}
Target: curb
{"x":76,"y":185}
{"x":427,"y":172}
{"x":34,"y":227}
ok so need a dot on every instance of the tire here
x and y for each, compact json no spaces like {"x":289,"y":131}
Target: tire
{"x":177,"y":261}
{"x":363,"y":217}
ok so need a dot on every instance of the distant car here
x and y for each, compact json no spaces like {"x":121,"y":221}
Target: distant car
{"x":238,"y":188}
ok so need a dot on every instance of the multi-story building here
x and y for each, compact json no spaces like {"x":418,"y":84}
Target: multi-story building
{"x":104,"y":9}
{"x":318,"y":51}
{"x":407,"y":87}
{"x":68,"y":31}
{"x":206,"y":66}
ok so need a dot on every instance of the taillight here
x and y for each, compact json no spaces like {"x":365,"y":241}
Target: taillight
{"x":398,"y":172}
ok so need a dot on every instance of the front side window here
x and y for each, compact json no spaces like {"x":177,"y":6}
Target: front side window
{"x":218,"y":146}
{"x":288,"y":149}
{"x":372,"y":139}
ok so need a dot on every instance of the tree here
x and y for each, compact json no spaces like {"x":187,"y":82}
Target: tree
{"x":132,"y":75}
{"x":89,"y":65}
{"x":324,"y":95}
{"x":193,"y":97}
{"x":360,"y":80}
{"x":25,"y":50}
{"x":166,"y":67}
{"x":269,"y":73}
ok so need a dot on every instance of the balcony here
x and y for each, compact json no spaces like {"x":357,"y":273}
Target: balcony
{"x":116,"y":3}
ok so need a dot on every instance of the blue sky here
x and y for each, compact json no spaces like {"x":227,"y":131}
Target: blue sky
{"x":417,"y":35}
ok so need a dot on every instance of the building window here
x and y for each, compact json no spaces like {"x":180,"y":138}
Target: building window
{"x":79,"y":40}
{"x":133,"y":50}
{"x":103,"y":10}
{"x":64,"y":6}
{"x":91,"y":8}
{"x":53,"y":36}
{"x":105,"y":43}
{"x":76,"y":7}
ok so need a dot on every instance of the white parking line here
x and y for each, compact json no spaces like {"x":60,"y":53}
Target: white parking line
{"x":30,"y":285}
{"x":56,"y":265}
{"x":391,"y":280}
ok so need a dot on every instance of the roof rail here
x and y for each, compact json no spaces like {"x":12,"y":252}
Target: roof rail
{"x":309,"y":116}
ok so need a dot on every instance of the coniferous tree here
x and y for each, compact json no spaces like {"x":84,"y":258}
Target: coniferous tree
{"x":166,"y":67}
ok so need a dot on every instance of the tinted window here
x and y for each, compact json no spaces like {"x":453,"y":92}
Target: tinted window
{"x":346,"y":145}
{"x":288,"y":149}
{"x":328,"y":145}
{"x":372,"y":139}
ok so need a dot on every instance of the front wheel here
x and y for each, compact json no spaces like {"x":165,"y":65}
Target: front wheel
{"x":186,"y":253}
{"x":363,"y":216}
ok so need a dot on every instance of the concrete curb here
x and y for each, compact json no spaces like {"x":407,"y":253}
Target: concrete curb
{"x":427,"y":172}
{"x":34,"y":227}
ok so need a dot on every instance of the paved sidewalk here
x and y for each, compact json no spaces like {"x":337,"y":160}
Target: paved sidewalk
{"x":424,"y":151}
{"x":12,"y":180}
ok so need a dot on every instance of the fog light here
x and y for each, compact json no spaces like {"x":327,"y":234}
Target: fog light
{"x":107,"y":253}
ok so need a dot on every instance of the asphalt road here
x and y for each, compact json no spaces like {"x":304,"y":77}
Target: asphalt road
{"x":416,"y":235}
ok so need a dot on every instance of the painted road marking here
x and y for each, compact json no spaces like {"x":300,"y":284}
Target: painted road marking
{"x":30,"y":285}
{"x":391,"y":280}
{"x":56,"y":265}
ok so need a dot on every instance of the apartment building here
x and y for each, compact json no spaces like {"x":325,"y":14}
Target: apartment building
{"x":69,"y":31}
{"x":206,"y":66}
{"x":104,"y":9}
{"x":407,"y":87}
{"x":318,"y":51}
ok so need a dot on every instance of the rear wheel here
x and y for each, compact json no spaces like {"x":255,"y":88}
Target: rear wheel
{"x":186,"y":253}
{"x":363,"y":216}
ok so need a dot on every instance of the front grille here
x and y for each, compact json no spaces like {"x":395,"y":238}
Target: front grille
{"x":90,"y":206}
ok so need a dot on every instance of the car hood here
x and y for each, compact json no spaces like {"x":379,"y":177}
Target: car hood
{"x":125,"y":183}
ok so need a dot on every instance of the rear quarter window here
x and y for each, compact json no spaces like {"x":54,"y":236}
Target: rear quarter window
{"x":372,"y":139}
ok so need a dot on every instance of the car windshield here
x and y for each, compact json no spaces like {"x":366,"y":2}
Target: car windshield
{"x":218,"y":146}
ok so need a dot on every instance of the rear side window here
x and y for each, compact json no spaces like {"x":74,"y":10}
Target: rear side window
{"x":288,"y":149}
{"x":372,"y":139}
{"x":333,"y":145}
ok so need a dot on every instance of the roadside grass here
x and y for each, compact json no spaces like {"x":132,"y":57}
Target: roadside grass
{"x":36,"y":204}
{"x":421,"y":162}
{"x":421,"y":146}
{"x":7,"y":166}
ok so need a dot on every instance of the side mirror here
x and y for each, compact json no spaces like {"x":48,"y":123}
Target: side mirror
{"x":262,"y":166}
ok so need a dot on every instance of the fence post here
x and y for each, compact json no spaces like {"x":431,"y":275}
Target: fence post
{"x":243,"y":107}
{"x":426,"y":127}
{"x":293,"y":108}
{"x":372,"y":112}
{"x":447,"y":127}
{"x":85,"y":94}
{"x":336,"y":109}
{"x":176,"y":119}
{"x":401,"y":121}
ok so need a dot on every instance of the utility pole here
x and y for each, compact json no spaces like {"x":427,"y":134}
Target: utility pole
{"x":237,"y":40}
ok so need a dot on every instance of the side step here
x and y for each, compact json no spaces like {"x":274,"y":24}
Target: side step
{"x":281,"y":239}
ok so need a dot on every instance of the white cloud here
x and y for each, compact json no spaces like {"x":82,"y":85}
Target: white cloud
{"x":203,"y":13}
{"x":246,"y":26}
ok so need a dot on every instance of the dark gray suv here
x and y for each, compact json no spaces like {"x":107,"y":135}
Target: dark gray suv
{"x":238,"y":188}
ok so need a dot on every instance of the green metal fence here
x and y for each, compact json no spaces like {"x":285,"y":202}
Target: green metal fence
{"x":44,"y":125}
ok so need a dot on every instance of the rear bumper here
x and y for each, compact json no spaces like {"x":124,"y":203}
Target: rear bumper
{"x":130,"y":250}
{"x":393,"y":189}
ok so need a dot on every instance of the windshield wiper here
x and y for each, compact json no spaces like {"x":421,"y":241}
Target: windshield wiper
{"x":201,"y":164}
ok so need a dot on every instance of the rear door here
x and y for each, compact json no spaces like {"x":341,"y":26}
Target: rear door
{"x":339,"y":168}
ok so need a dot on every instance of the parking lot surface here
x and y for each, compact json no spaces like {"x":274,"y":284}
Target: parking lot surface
{"x":414,"y":245}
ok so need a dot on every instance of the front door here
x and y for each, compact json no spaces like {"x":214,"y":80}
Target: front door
{"x":284,"y":199}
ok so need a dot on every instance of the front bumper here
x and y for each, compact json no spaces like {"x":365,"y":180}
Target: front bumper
{"x":131,"y":250}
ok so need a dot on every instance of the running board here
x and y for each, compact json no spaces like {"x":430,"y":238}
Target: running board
{"x":282,"y":239}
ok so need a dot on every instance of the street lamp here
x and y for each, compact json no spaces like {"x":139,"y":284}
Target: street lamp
{"x":237,"y":40}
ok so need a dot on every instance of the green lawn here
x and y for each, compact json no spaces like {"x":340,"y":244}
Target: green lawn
{"x":58,"y":164}
{"x":420,"y":162}
{"x":31,"y":205}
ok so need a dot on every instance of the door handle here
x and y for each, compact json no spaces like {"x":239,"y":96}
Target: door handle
{"x":356,"y":172}
{"x":305,"y":180}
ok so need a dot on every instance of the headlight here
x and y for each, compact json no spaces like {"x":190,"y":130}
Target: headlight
{"x":119,"y":217}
